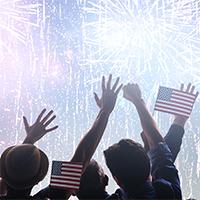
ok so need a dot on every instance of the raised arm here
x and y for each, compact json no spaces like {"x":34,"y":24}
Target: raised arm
{"x":90,"y":141}
{"x":132,"y":93}
{"x":176,"y":131}
{"x":163,"y":171}
{"x":39,"y":128}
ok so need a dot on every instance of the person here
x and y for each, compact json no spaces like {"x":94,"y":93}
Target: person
{"x":93,"y":182}
{"x":83,"y":153}
{"x":130,"y":165}
{"x":23,"y":166}
{"x":92,"y":186}
{"x":175,"y":134}
{"x":176,"y":131}
{"x":90,"y":141}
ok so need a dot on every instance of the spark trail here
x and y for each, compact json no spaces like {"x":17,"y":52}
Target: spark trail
{"x":157,"y":35}
{"x":53,"y":54}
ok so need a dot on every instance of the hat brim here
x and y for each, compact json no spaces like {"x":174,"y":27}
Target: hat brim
{"x":44,"y":164}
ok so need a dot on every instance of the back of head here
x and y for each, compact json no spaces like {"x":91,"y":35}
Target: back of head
{"x":93,"y":182}
{"x":23,"y":166}
{"x":128,"y":162}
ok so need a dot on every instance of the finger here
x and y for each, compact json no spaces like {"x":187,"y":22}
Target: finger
{"x":192,"y":89}
{"x":26,"y":125}
{"x":51,"y":129}
{"x":182,"y":87}
{"x":41,"y":114}
{"x":47,"y":116}
{"x":103,"y":83}
{"x":188,"y":87}
{"x":137,"y":86}
{"x":109,"y":81}
{"x":50,"y":120}
{"x":118,"y":89}
{"x":115,"y":85}
{"x":96,"y":98}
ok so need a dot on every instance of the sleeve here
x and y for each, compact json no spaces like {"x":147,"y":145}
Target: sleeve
{"x":174,"y":139}
{"x":163,"y":169}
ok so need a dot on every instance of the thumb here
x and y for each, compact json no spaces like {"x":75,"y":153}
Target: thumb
{"x":97,"y":99}
{"x":26,"y":125}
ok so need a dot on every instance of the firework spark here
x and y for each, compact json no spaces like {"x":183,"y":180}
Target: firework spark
{"x":163,"y":33}
{"x":15,"y":17}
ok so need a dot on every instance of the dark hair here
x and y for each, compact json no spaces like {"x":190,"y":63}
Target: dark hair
{"x":128,"y":162}
{"x":92,"y":185}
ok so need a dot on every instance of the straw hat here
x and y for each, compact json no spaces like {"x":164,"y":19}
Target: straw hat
{"x":23,"y":166}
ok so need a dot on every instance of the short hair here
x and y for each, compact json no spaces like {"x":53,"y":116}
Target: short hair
{"x":128,"y":162}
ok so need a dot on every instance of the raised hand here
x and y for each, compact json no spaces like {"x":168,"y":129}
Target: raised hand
{"x":132,"y":92}
{"x":90,"y":141}
{"x":178,"y":119}
{"x":151,"y":135}
{"x":109,"y":95}
{"x":190,"y":89}
{"x":38,"y":129}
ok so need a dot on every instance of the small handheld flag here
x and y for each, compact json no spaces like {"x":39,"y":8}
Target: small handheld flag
{"x":174,"y":101}
{"x":66,"y":175}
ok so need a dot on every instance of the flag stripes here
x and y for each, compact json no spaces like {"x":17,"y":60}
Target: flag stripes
{"x":174,"y":101}
{"x":66,"y":175}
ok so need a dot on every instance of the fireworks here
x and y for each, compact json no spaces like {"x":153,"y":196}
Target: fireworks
{"x":53,"y":54}
{"x":159,"y":35}
{"x":16,"y":17}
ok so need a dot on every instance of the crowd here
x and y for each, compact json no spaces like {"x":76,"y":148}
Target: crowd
{"x":141,"y":171}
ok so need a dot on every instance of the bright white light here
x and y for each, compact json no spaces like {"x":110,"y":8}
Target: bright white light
{"x":114,"y":35}
{"x":143,"y":35}
{"x":160,"y":32}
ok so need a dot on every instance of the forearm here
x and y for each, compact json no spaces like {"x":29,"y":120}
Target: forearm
{"x":90,"y":141}
{"x":164,"y":169}
{"x":148,"y":124}
{"x":174,"y":139}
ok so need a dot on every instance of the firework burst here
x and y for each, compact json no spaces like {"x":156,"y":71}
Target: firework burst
{"x":16,"y":16}
{"x":157,"y":35}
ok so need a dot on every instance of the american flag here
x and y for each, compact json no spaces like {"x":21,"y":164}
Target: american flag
{"x":174,"y":101}
{"x":66,"y":175}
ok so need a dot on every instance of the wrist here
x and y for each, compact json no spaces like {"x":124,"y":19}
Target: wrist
{"x":180,"y":121}
{"x":28,"y":140}
{"x":137,"y":102}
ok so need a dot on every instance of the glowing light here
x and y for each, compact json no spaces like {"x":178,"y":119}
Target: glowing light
{"x":53,"y":54}
{"x":159,"y":32}
{"x":15,"y":18}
